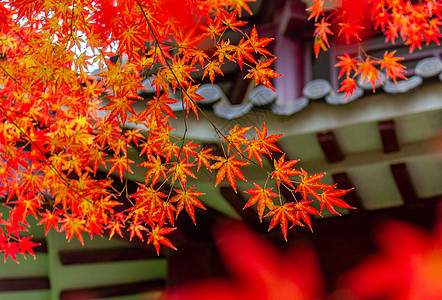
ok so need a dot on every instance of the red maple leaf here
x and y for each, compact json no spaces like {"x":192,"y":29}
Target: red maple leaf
{"x":316,"y":10}
{"x":329,"y":197}
{"x":283,"y":169}
{"x":25,"y":245}
{"x":156,"y":236}
{"x":261,"y":72}
{"x":186,"y":198}
{"x":229,"y":168}
{"x":308,"y":184}
{"x":262,"y":197}
{"x":50,"y":220}
{"x":282,"y":214}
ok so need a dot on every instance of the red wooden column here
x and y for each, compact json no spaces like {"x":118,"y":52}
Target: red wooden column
{"x":404,"y":183}
{"x":387,"y":130}
{"x":290,"y":50}
{"x":330,"y":146}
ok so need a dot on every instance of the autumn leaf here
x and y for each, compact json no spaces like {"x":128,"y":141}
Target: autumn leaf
{"x":213,"y":28}
{"x":282,"y":214}
{"x":261,"y":72}
{"x":350,"y":29}
{"x":329,"y":197}
{"x":159,"y":105}
{"x":236,"y":138}
{"x":189,"y":98}
{"x":303,"y":209}
{"x":262,"y":197}
{"x":50,"y":220}
{"x":244,"y":50}
{"x":115,"y":226}
{"x":308,"y":184}
{"x":156,"y":169}
{"x":263,"y":144}
{"x":348,"y":86}
{"x":25,"y":245}
{"x":283,"y":169}
{"x":229,"y":19}
{"x":368,"y":72}
{"x":156,"y":236}
{"x":136,"y":229}
{"x":316,"y":10}
{"x":120,"y":163}
{"x":11,"y":249}
{"x":347,"y":64}
{"x":186,"y":198}
{"x":180,"y":170}
{"x":239,"y":5}
{"x":229,"y":168}
{"x":321,"y":31}
{"x":211,"y":68}
{"x":203,"y":157}
{"x":258,"y":44}
{"x":73,"y":225}
{"x":319,"y":44}
{"x":391,"y":65}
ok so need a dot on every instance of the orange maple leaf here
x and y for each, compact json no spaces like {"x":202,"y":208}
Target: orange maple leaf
{"x":229,"y":168}
{"x":316,"y":10}
{"x":303,"y":209}
{"x":135,"y":229}
{"x":189,"y":98}
{"x":283,"y":169}
{"x":308,"y":184}
{"x":235,"y":138}
{"x":348,"y":86}
{"x":156,"y":236}
{"x":244,"y":50}
{"x":121,"y":163}
{"x":368,"y":72}
{"x":261,"y":72}
{"x":347,"y":64}
{"x":259,"y":43}
{"x":281,"y":214}
{"x":262,"y":197}
{"x":329,"y":198}
{"x":181,"y":170}
{"x":73,"y":225}
{"x":211,"y":68}
{"x":186,"y":198}
{"x":391,"y":65}
{"x":262,"y":144}
{"x":50,"y":219}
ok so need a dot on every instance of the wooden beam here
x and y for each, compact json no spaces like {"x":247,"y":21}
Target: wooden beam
{"x":404,"y":183}
{"x":73,"y":257}
{"x":24,"y":284}
{"x":330,"y":146}
{"x":387,"y":131}
{"x":352,"y":197}
{"x":113,"y":290}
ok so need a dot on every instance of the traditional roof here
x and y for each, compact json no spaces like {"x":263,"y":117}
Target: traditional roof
{"x":317,"y":89}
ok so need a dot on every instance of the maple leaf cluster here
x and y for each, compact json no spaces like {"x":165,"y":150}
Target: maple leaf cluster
{"x":414,"y":23}
{"x":60,"y":126}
